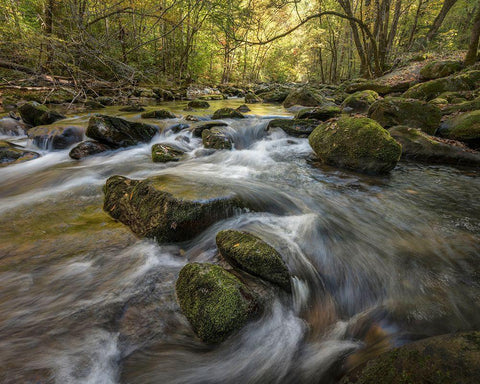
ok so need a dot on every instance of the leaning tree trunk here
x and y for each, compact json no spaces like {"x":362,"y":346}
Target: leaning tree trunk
{"x":437,"y":23}
{"x":472,"y":53}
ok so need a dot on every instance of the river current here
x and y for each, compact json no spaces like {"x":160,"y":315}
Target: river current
{"x":377,"y":262}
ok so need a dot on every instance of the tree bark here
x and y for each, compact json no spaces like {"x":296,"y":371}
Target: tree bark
{"x":437,"y":23}
{"x":472,"y":54}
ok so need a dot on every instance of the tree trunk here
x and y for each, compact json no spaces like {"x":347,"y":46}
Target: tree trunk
{"x":437,"y":23}
{"x":472,"y":54}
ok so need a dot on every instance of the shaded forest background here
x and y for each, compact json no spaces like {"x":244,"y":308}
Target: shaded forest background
{"x":230,"y":41}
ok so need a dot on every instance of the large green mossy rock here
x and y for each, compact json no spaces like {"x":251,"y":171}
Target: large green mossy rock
{"x":14,"y":154}
{"x":393,"y":111}
{"x":294,"y":127}
{"x":249,"y":253}
{"x":442,"y":359}
{"x":305,"y":96}
{"x":116,"y":132}
{"x":319,"y":113}
{"x":465,"y":81}
{"x":438,"y":69}
{"x":200,"y":127}
{"x":227,"y":113}
{"x":34,"y":114}
{"x":168,"y":208}
{"x":418,"y":146}
{"x":55,"y":136}
{"x":164,"y":153}
{"x":158,"y":114}
{"x":360,"y":144}
{"x":215,"y":302}
{"x":360,"y":101}
{"x":216,"y":138}
{"x":466,"y":106}
{"x":277,"y":95}
{"x":464,"y":127}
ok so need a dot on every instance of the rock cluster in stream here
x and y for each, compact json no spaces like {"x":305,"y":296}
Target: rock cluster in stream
{"x":219,"y":301}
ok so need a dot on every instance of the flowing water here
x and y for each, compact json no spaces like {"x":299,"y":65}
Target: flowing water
{"x":377,"y":262}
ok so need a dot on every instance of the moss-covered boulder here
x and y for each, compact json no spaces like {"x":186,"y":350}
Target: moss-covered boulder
{"x":465,"y":81}
{"x":249,"y":253}
{"x":277,"y":95}
{"x":305,"y":96}
{"x":88,"y":148}
{"x":116,"y":132}
{"x":215,"y":302}
{"x":168,"y":208}
{"x":251,"y":98}
{"x":393,"y":111}
{"x":216,"y":138}
{"x":360,"y":101}
{"x":164,"y":153}
{"x":294,"y":127}
{"x":382,"y":88}
{"x":14,"y":154}
{"x":227,"y":113}
{"x":439,"y":101}
{"x":106,"y":100}
{"x":360,"y":144}
{"x":442,"y":359}
{"x":464,"y":127}
{"x":200,"y":104}
{"x":91,"y":105}
{"x":55,"y":136}
{"x":319,"y":113}
{"x":200,"y":127}
{"x":35,"y":114}
{"x":418,"y":146}
{"x":465,"y":106}
{"x":438,"y":69}
{"x":158,"y":114}
{"x":13,"y":127}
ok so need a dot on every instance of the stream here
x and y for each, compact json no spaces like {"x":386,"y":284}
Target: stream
{"x":377,"y":262}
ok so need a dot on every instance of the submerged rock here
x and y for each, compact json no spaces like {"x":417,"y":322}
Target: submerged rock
{"x":158,"y":114}
{"x":132,"y":108}
{"x":168,"y":208}
{"x":227,"y":113}
{"x":163,"y":153}
{"x":442,"y":359}
{"x":117,"y":132}
{"x":251,"y":254}
{"x":419,"y":146}
{"x":215,"y":302}
{"x":319,"y":113}
{"x":55,"y":136}
{"x":360,"y":144}
{"x":35,"y":114}
{"x":464,"y":127}
{"x":305,"y":96}
{"x":11,"y":126}
{"x":216,"y":138}
{"x":243,"y":108}
{"x":294,"y":127}
{"x":198,"y":104}
{"x":14,"y":154}
{"x":88,"y":148}
{"x":438,"y":69}
{"x":360,"y":101}
{"x":393,"y":111}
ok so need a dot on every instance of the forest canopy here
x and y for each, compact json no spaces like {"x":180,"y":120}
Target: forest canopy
{"x":212,"y":41}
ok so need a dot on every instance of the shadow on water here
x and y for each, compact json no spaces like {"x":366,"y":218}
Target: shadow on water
{"x":377,"y":262}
